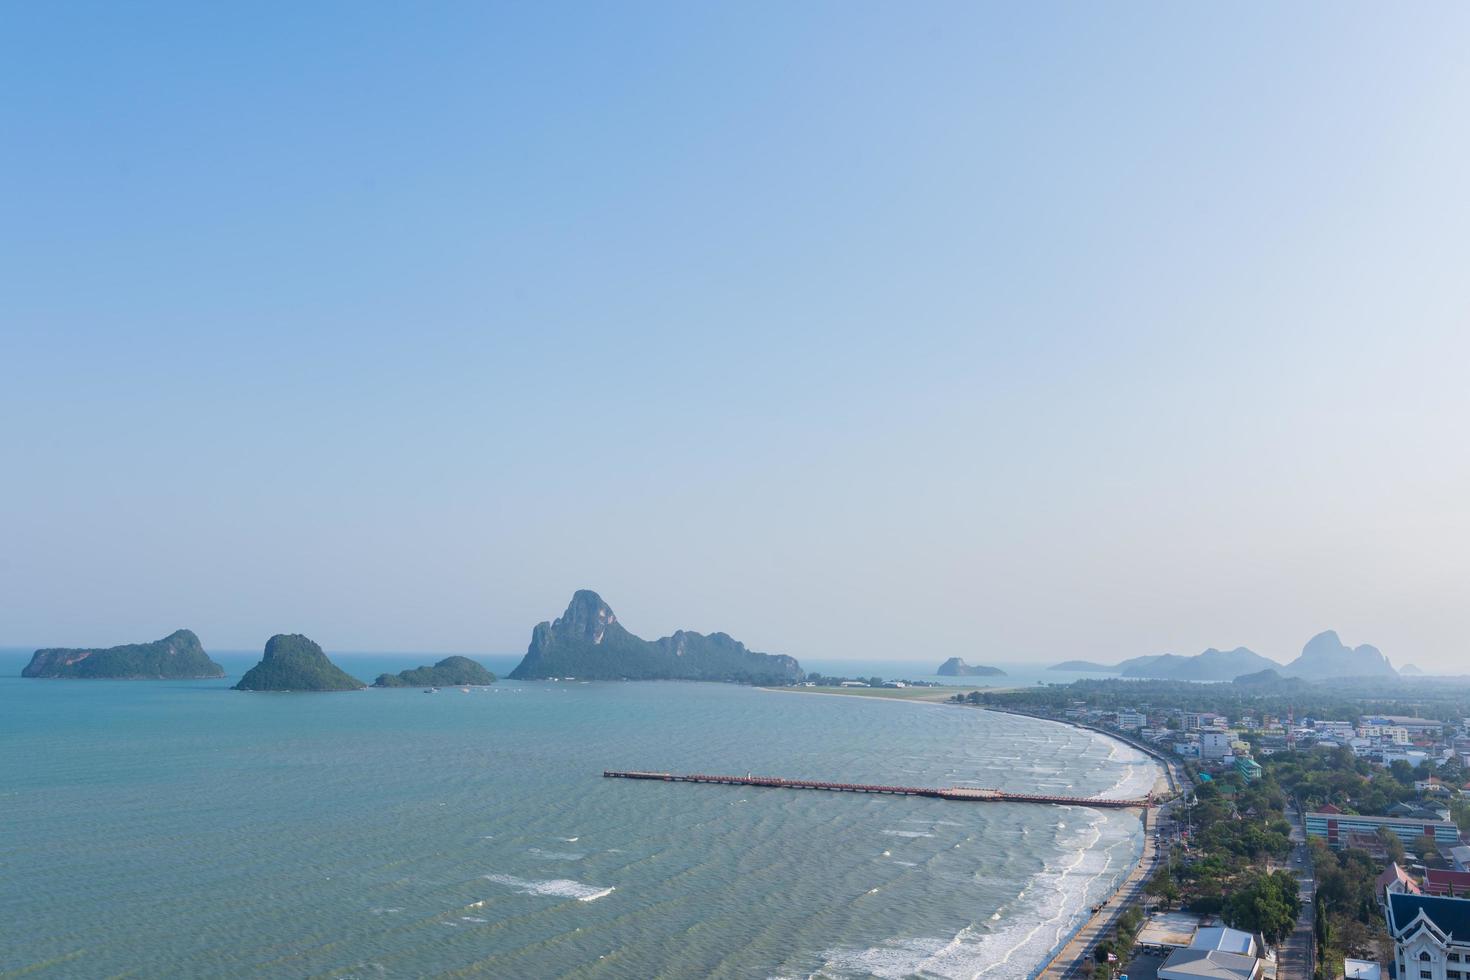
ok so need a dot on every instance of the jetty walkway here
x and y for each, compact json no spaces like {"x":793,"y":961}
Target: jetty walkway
{"x":962,"y":793}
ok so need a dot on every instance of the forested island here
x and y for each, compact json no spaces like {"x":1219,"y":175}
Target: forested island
{"x":178,"y":656}
{"x":449,"y":672}
{"x":956,"y":667}
{"x":588,"y":642}
{"x":293,"y":662}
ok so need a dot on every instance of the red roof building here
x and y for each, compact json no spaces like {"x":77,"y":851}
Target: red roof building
{"x":1440,"y":881}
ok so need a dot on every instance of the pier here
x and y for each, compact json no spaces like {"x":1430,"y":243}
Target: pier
{"x":961,"y":793}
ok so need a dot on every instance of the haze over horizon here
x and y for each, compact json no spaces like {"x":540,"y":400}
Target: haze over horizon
{"x":856,"y":332}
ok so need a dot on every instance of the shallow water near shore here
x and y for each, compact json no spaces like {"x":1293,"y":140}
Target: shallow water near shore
{"x":181,"y":829}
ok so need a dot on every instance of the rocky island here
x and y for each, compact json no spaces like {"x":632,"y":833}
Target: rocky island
{"x":449,"y":672}
{"x":294,"y":663}
{"x":177,"y":656}
{"x":587,"y":642}
{"x":956,"y":667}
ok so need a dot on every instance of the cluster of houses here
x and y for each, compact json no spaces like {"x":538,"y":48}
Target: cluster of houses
{"x":1218,"y":743}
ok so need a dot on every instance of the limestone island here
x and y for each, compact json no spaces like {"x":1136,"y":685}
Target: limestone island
{"x":294,"y":663}
{"x":177,"y":656}
{"x":956,"y":667}
{"x":588,"y":643}
{"x":449,"y":672}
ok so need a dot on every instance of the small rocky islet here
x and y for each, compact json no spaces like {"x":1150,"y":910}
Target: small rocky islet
{"x":449,"y":672}
{"x":956,"y":667}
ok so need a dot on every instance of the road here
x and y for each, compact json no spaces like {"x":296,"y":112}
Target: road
{"x":1295,"y":956}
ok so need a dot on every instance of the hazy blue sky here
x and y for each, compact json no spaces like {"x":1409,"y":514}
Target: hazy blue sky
{"x":869,"y":330}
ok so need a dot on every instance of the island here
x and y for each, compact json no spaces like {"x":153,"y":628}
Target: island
{"x":956,"y":667}
{"x":1084,"y":667}
{"x":177,"y":656}
{"x":294,"y":663}
{"x":449,"y":672}
{"x":588,"y":643}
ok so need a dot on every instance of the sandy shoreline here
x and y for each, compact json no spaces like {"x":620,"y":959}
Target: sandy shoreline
{"x":1091,"y":929}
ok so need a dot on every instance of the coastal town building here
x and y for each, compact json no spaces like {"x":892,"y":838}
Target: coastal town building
{"x":1249,"y":769}
{"x":1335,"y":828}
{"x":1431,"y":936}
{"x":1214,"y":745}
{"x":1215,"y":952}
{"x":1442,"y":881}
{"x":1131,"y":719}
{"x":1394,"y":880}
{"x":1416,"y":727}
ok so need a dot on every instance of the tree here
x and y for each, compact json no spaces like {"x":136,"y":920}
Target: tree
{"x":1267,"y":904}
{"x":1425,"y":847}
{"x":1392,"y":844}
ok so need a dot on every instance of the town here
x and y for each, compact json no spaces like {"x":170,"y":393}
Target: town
{"x":1317,"y":834}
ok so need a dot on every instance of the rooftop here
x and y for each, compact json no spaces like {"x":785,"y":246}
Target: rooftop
{"x":1450,"y":915}
{"x":1211,"y":964}
{"x":1225,"y":939}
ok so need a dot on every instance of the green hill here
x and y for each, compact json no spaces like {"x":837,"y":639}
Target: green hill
{"x":449,"y":672}
{"x":294,"y":663}
{"x":956,"y":667}
{"x":589,"y":643}
{"x":176,"y":656}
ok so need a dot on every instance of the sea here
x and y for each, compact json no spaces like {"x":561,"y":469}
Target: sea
{"x":181,"y":829}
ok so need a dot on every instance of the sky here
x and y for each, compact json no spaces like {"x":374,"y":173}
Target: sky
{"x":856,"y":330}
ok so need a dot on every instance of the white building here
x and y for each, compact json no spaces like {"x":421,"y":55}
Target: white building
{"x":1215,"y":953}
{"x":1214,"y":745}
{"x":1131,"y":719}
{"x":1431,"y":936}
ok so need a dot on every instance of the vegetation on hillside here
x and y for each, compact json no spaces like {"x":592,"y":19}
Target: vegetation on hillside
{"x":294,"y":663}
{"x":449,"y":672}
{"x":177,"y":656}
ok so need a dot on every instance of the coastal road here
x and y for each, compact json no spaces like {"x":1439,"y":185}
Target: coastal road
{"x":1069,"y":962}
{"x":1295,"y":956}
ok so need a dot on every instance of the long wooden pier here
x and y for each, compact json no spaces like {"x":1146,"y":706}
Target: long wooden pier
{"x":964,"y":793}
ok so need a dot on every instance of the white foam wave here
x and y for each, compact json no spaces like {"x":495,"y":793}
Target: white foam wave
{"x":906,"y":833}
{"x":554,"y":888}
{"x":556,"y":855}
{"x":1010,"y":941}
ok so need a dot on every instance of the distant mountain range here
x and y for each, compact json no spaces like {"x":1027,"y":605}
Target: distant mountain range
{"x":587,"y":642}
{"x":1084,"y":667}
{"x":1324,"y":657}
{"x":1212,"y":665}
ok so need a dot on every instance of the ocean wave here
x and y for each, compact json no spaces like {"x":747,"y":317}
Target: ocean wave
{"x":1013,"y":939}
{"x":553,"y":888}
{"x":556,"y":855}
{"x":907,"y":833}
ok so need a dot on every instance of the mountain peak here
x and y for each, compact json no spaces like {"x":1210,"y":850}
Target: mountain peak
{"x":587,"y":617}
{"x":589,"y":643}
{"x":1326,"y":656}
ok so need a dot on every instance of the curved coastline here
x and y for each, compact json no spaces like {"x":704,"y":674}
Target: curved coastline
{"x":1166,"y":783}
{"x":1102,"y":918}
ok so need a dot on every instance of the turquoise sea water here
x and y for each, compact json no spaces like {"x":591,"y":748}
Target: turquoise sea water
{"x":182,"y":829}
